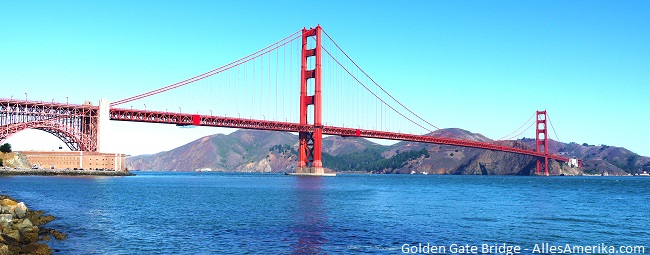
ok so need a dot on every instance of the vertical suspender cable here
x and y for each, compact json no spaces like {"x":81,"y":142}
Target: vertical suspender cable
{"x":268,"y":91}
{"x":283,"y":87}
{"x":276,"y":83}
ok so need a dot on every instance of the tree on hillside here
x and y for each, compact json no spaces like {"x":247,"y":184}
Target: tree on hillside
{"x":5,"y":148}
{"x":631,"y":163}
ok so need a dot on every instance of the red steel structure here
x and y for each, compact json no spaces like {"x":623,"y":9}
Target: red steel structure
{"x":541,"y":141}
{"x":79,"y":125}
{"x":310,"y":142}
{"x":182,"y":119}
{"x":75,"y":125}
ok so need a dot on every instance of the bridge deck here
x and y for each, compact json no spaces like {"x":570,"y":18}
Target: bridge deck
{"x":218,"y":121}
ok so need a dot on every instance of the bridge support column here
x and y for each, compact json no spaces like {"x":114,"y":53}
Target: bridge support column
{"x":541,"y":142}
{"x":102,"y":124}
{"x":310,"y":148}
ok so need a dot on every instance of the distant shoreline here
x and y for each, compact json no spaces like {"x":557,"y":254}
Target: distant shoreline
{"x":373,"y":173}
{"x":57,"y":172}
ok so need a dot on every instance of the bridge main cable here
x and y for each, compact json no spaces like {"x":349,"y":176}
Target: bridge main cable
{"x":386,"y":92}
{"x":371,"y":92}
{"x":202,"y":76}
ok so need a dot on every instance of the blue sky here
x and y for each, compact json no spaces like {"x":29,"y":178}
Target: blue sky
{"x":484,"y":66}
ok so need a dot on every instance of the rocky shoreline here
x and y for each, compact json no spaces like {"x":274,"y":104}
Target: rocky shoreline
{"x":47,"y":172}
{"x":21,"y":229}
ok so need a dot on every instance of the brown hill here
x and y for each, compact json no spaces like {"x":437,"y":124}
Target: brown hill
{"x":489,"y":162}
{"x":443,"y":158}
{"x":267,"y":151}
{"x":241,"y":150}
{"x":336,"y":145}
{"x":598,"y":159}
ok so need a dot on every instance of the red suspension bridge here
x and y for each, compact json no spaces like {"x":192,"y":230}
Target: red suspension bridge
{"x":260,"y":91}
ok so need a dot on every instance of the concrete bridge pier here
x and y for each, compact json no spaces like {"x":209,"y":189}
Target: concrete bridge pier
{"x":103,"y":118}
{"x":311,"y":171}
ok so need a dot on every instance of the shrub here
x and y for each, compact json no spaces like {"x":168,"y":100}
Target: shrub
{"x":5,"y":148}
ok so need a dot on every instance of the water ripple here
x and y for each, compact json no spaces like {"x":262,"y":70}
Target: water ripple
{"x":218,"y":213}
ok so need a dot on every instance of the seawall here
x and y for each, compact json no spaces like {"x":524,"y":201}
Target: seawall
{"x":52,"y":172}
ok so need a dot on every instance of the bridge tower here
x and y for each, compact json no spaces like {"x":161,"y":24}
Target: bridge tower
{"x":103,"y":118}
{"x":541,"y":141}
{"x":310,"y":160}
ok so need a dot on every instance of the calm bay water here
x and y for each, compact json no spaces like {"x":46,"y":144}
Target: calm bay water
{"x":226,"y":213}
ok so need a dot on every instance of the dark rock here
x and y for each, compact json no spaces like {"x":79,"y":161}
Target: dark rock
{"x":37,"y":249}
{"x":13,"y":234}
{"x":36,"y":218}
{"x":58,"y":235}
{"x":29,"y":236}
{"x":6,"y":239}
{"x":15,"y":249}
{"x":44,"y":231}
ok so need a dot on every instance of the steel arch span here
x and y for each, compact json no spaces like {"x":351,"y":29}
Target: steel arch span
{"x":75,"y":140}
{"x":75,"y":125}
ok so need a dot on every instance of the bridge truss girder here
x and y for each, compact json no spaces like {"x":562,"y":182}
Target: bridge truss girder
{"x":75,"y":125}
{"x":186,"y":119}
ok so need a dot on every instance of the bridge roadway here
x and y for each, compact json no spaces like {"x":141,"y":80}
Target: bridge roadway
{"x":186,"y":119}
{"x":41,"y":112}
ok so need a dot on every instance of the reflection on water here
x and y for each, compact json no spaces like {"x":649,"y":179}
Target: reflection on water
{"x":311,"y":216}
